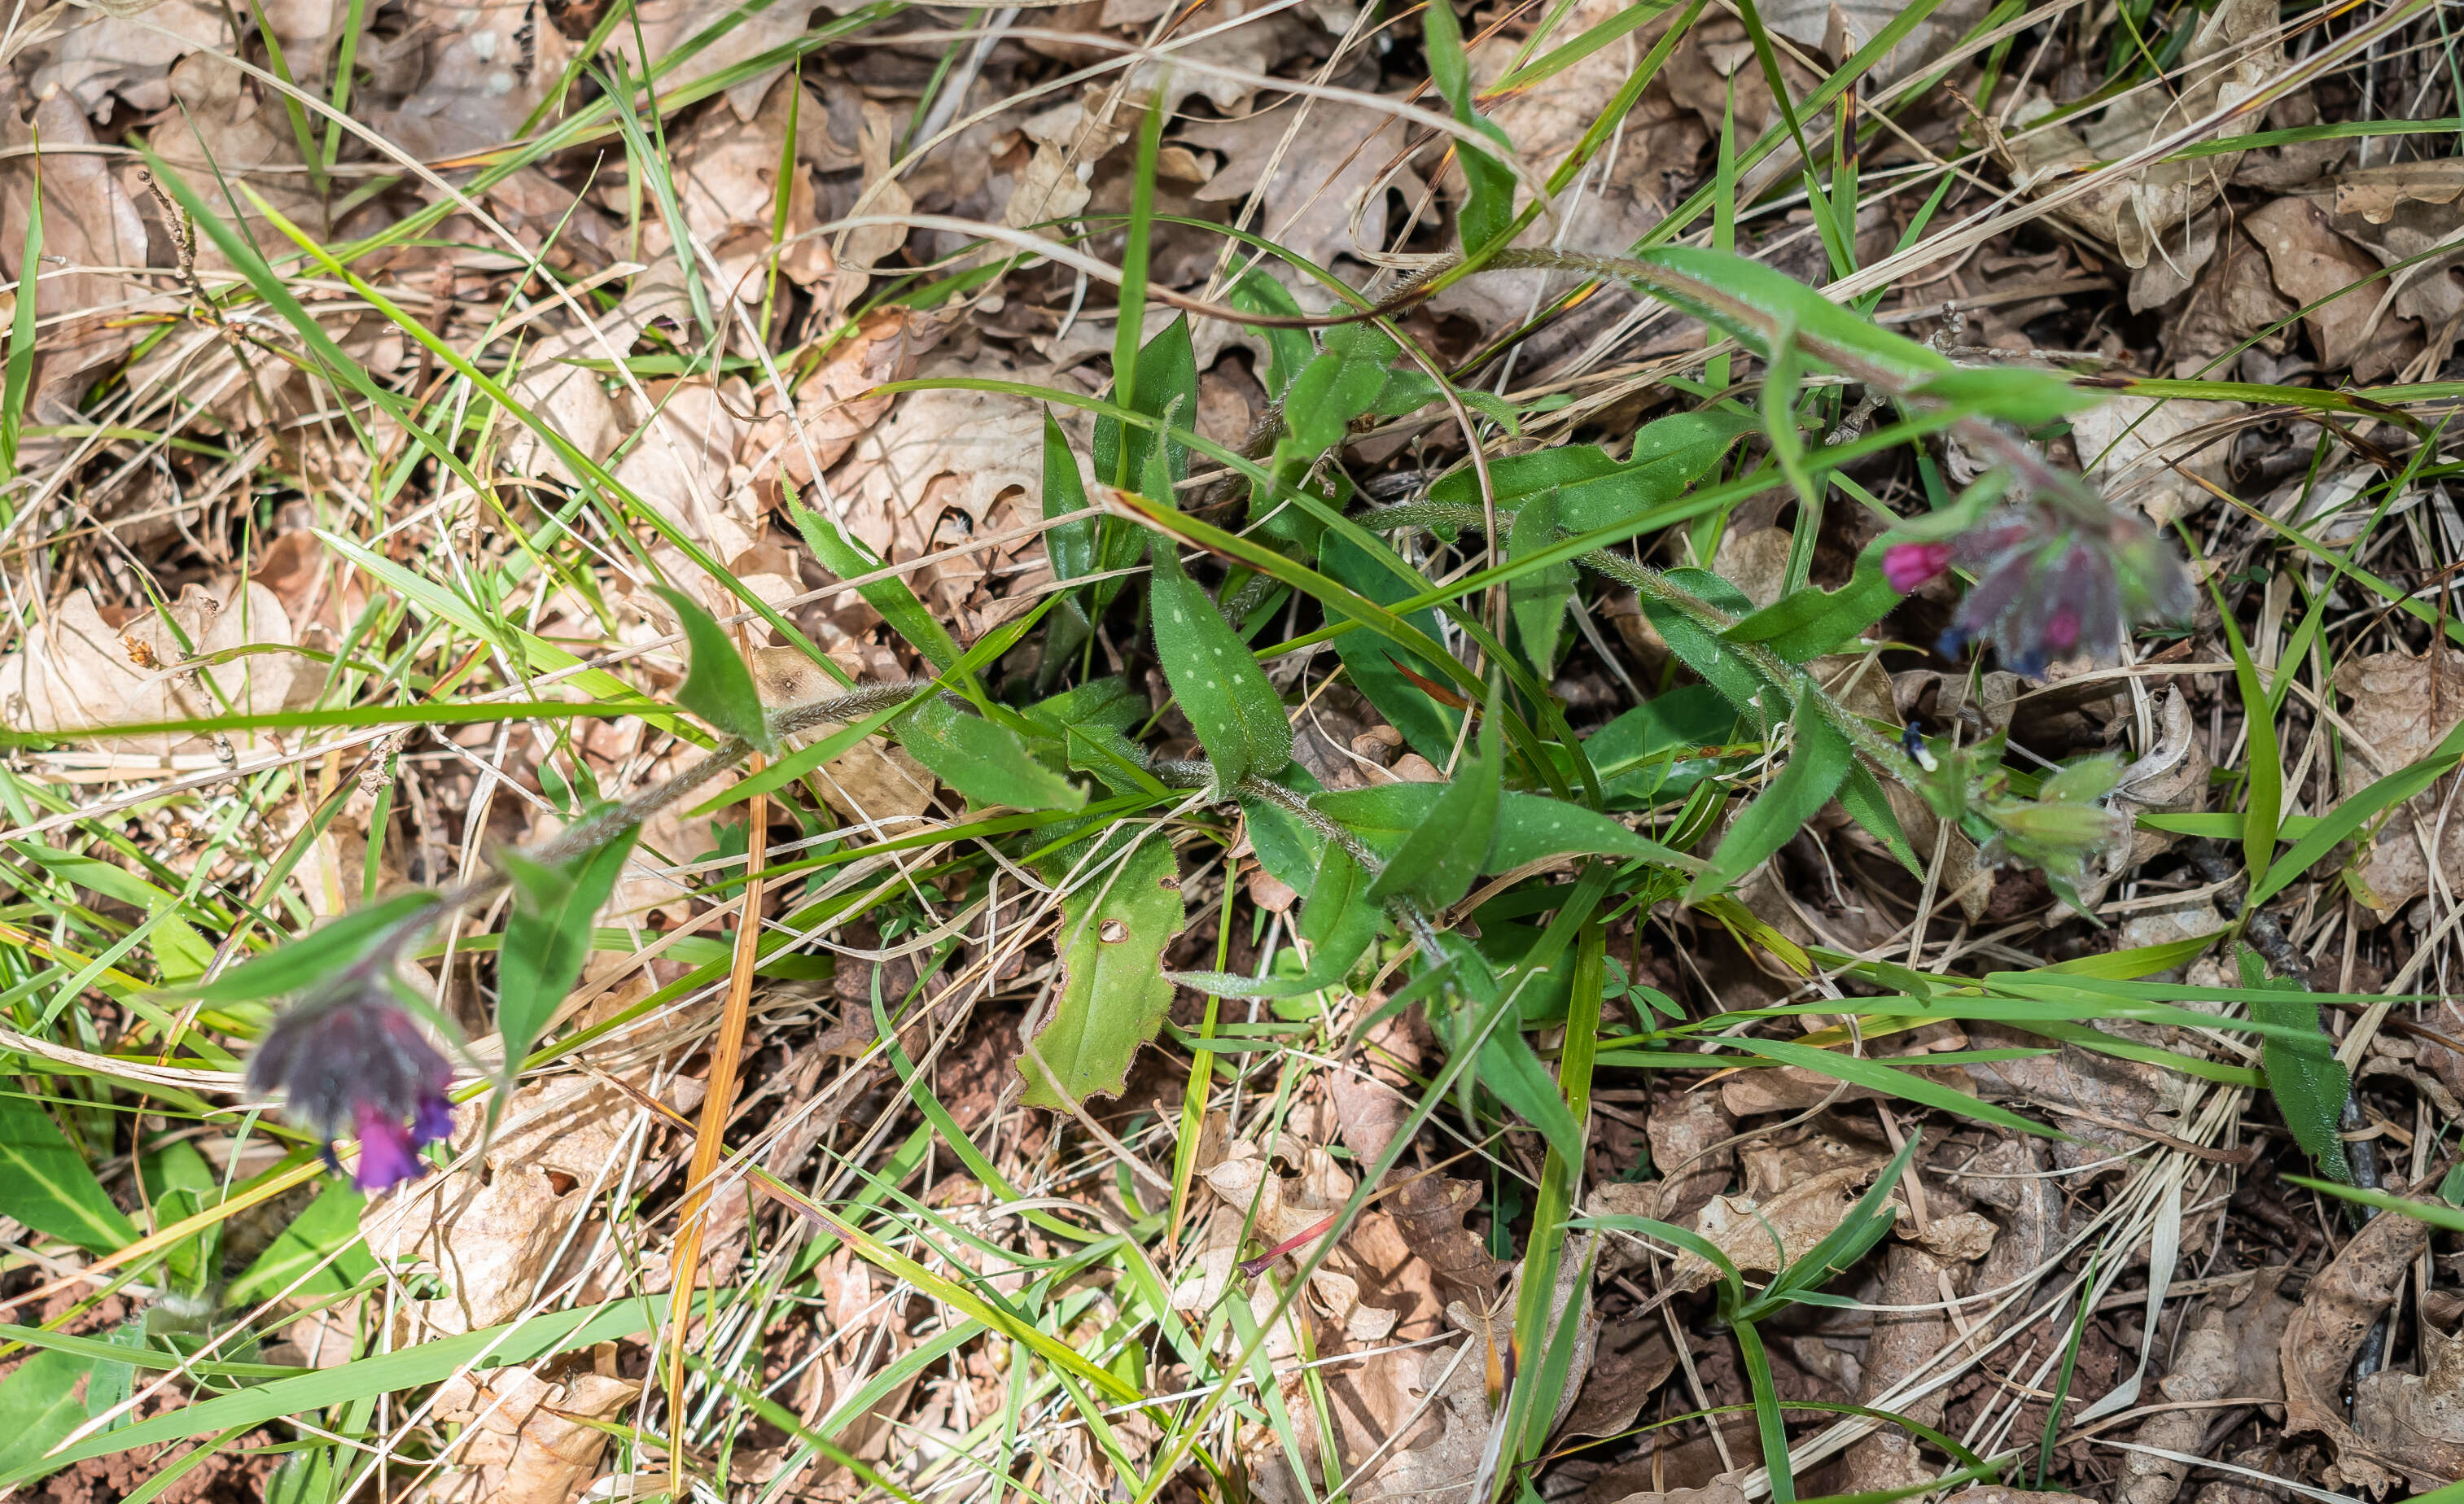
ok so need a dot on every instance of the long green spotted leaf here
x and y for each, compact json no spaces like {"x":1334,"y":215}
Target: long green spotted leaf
{"x":2304,"y":1077}
{"x":45,"y":1184}
{"x":1112,"y":995}
{"x":1238,"y":716}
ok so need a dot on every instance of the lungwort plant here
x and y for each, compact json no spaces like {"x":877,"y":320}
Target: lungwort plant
{"x":1460,"y":670}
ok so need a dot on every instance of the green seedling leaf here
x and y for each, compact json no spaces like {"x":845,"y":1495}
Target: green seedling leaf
{"x":332,"y":947}
{"x":548,"y":937}
{"x":1113,"y":994}
{"x":1488,"y":209}
{"x":1538,"y":599}
{"x":39,"y":1407}
{"x":987,"y":762}
{"x":1377,"y":666}
{"x":847,"y":557}
{"x":1437,"y":862}
{"x":46,"y":1183}
{"x":1330,"y":392}
{"x":2308,"y":1082}
{"x":1166,"y":378}
{"x":1662,"y":748}
{"x":1509,"y":1067}
{"x":1817,"y":766}
{"x":297,"y":1261}
{"x":1238,"y":716}
{"x":717,"y":686}
{"x":1070,"y":546}
{"x":1287,"y":350}
{"x":1805,"y":624}
{"x":1860,"y":796}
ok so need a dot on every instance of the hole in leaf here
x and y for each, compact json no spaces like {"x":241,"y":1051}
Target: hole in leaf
{"x":1113,"y":931}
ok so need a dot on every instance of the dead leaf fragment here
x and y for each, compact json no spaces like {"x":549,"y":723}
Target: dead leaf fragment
{"x":2418,"y":1419}
{"x":2132,"y":447}
{"x":76,"y":671}
{"x":2337,"y":1312}
{"x":2231,"y":1352}
{"x":1770,"y":1235}
{"x":2339,"y":283}
{"x":530,"y":1439}
{"x":2402,"y":706}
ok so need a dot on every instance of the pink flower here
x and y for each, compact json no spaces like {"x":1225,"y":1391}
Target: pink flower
{"x":1912,"y":566}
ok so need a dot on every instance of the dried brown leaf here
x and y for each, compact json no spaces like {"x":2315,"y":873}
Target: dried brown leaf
{"x":74,"y":670}
{"x":2402,"y":706}
{"x":2339,"y":283}
{"x":2337,"y":1312}
{"x":1769,"y":1235}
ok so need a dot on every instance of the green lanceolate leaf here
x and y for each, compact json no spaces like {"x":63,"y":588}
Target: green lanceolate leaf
{"x":1816,"y":765}
{"x":39,"y":1406}
{"x":1705,"y":651}
{"x":1337,"y":923}
{"x":988,"y":763}
{"x":548,"y":937}
{"x":1070,"y":546}
{"x":1376,"y":667}
{"x":2308,"y":1082}
{"x":1437,"y":862}
{"x":847,"y":557}
{"x":1112,"y":995}
{"x":334,"y":947}
{"x":1807,"y":623}
{"x":1166,"y":378}
{"x":717,"y":686}
{"x":297,"y":1260}
{"x":1537,"y":600}
{"x":45,"y":1184}
{"x":1530,"y":827}
{"x":1237,"y":714}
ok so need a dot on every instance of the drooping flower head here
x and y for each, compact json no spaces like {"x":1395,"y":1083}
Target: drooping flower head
{"x":2067,"y":826}
{"x":353,"y":1064}
{"x":2055,"y":581}
{"x":2055,"y":576}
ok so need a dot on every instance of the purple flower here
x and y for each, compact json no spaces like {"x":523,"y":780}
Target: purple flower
{"x":353,"y":1062}
{"x":2053,"y":581}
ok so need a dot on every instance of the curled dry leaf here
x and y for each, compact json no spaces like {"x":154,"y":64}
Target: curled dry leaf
{"x":1960,"y":1237}
{"x":1768,"y":1237}
{"x":529,"y":1440}
{"x":1904,"y":1344}
{"x":76,"y":671}
{"x":2401,"y":708}
{"x":492,"y":1235}
{"x":1629,"y":1359}
{"x":2407,"y":214}
{"x":2337,"y":1312}
{"x":874,"y":780}
{"x":2418,"y":1419}
{"x":2169,"y":778}
{"x":1723,"y":1489}
{"x":2226,"y":62}
{"x":2229,"y":1353}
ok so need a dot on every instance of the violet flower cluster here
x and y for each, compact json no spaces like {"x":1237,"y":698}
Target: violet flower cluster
{"x":353,"y":1064}
{"x":2051,"y":582}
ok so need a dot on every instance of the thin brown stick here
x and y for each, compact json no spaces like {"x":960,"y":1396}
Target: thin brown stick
{"x":726,"y":1056}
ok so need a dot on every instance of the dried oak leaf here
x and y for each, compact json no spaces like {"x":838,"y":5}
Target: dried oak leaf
{"x":2234,"y":54}
{"x":1629,"y":1359}
{"x":1689,"y":1132}
{"x":1768,"y":1237}
{"x":2229,"y":1353}
{"x":2337,"y":1312}
{"x":2407,"y":214}
{"x":76,"y":671}
{"x":2131,"y":447}
{"x":530,"y":1441}
{"x":1720,"y":1491}
{"x":2402,"y":706}
{"x":2339,"y":283}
